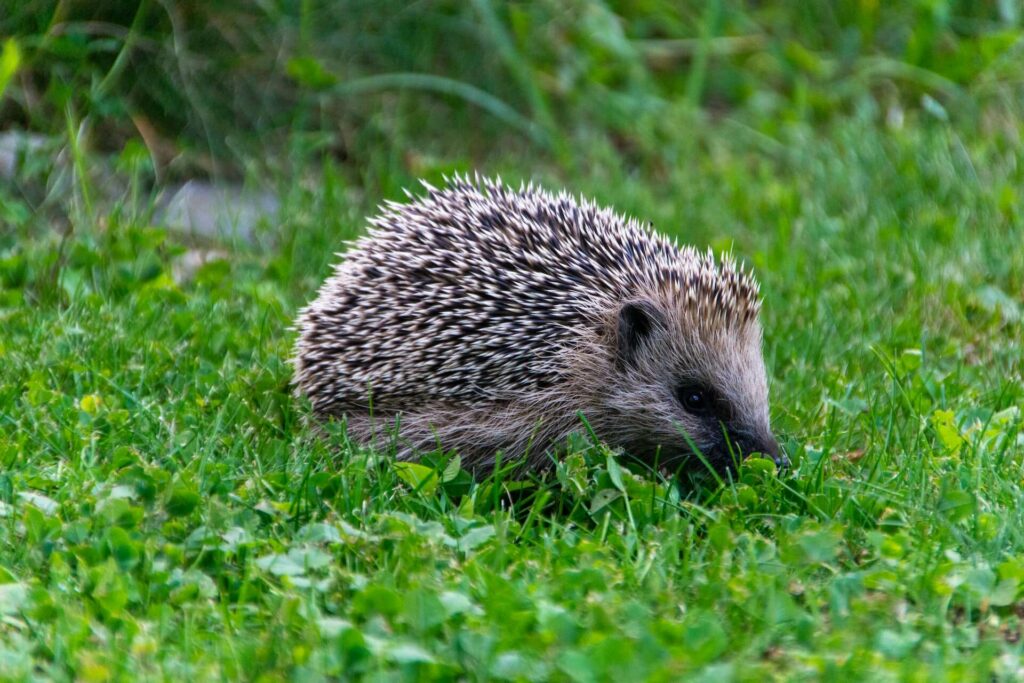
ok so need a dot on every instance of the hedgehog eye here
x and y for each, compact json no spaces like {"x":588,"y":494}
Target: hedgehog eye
{"x":696,"y":399}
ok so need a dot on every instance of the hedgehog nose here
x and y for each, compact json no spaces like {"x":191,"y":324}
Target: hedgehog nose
{"x":772,"y":448}
{"x":769,"y":446}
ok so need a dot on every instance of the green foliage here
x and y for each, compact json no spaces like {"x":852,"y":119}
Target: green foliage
{"x":208,"y":83}
{"x":166,"y":511}
{"x":161,"y":488}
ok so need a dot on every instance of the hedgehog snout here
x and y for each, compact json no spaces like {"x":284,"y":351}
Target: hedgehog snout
{"x":766,"y":445}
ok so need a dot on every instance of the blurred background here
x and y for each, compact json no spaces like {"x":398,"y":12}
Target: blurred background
{"x":387,"y":91}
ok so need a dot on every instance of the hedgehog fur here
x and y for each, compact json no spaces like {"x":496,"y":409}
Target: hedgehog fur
{"x":481,"y":318}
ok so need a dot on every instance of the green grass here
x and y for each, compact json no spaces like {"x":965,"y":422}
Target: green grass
{"x":166,"y":511}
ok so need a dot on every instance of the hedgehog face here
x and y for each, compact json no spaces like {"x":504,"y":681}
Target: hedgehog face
{"x":682,"y":383}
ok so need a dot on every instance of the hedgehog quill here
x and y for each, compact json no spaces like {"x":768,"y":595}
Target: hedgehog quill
{"x":481,"y":318}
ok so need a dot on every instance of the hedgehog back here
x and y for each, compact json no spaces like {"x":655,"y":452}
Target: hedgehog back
{"x":470,"y":293}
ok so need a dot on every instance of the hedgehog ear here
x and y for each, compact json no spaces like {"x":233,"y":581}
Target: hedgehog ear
{"x":637,"y":321}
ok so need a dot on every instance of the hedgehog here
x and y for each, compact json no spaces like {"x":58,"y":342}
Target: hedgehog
{"x":496,"y":322}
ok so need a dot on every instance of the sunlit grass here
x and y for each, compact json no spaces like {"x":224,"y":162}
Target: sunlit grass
{"x":168,"y":511}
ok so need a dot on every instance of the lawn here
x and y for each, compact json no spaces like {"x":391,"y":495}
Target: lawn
{"x":167,"y":511}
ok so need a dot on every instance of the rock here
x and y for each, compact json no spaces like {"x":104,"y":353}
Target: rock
{"x":14,"y":145}
{"x":188,"y":264}
{"x":212,"y":211}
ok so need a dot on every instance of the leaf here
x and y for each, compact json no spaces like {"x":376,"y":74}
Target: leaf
{"x":119,"y":512}
{"x":377,"y":599}
{"x":615,"y":473}
{"x":296,"y":562}
{"x":109,"y":588}
{"x":577,"y":666}
{"x":457,"y":603}
{"x":897,"y":645}
{"x":910,"y":360}
{"x":703,"y":636}
{"x":433,"y":530}
{"x":758,"y":470}
{"x":1004,"y":593}
{"x":944,"y":423}
{"x":186,"y":586}
{"x":182,"y":500}
{"x":516,"y":666}
{"x":319,"y":532}
{"x":13,"y":597}
{"x":47,"y":506}
{"x":408,"y":653}
{"x":452,"y":469}
{"x":572,"y":473}
{"x":419,"y":477}
{"x":10,"y":60}
{"x":850,"y":406}
{"x":124,"y":550}
{"x":310,"y":558}
{"x":813,"y":545}
{"x":956,"y":504}
{"x":602,"y":499}
{"x":310,"y":72}
{"x":234,"y":537}
{"x":820,"y":546}
{"x":475,"y":537}
{"x":332,"y":627}
{"x":122,"y":491}
{"x":423,"y":610}
{"x":979,"y":580}
{"x":280,"y":565}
